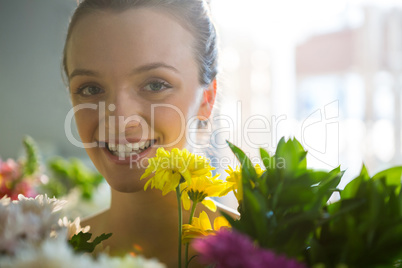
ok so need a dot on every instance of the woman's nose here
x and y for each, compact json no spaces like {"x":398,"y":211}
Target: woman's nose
{"x":123,"y":120}
{"x":124,"y":113}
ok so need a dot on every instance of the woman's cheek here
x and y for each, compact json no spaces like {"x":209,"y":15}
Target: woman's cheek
{"x":170,"y":122}
{"x":87,"y":124}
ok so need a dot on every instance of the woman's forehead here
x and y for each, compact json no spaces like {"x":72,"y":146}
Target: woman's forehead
{"x":137,"y":35}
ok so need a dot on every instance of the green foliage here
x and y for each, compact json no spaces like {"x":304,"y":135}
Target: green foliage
{"x":68,"y":174}
{"x":32,"y":160}
{"x":364,"y":228}
{"x":281,"y":208}
{"x":286,"y":209}
{"x":80,"y":242}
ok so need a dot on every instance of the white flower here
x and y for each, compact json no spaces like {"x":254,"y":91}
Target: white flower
{"x":55,"y":252}
{"x":40,"y":203}
{"x":74,"y":227}
{"x":5,"y":200}
{"x":27,"y":220}
{"x":129,"y":261}
{"x":33,"y":235}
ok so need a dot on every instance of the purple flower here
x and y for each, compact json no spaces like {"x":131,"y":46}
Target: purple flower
{"x":230,"y":249}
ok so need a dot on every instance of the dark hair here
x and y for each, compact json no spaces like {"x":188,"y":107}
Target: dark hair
{"x":194,"y":15}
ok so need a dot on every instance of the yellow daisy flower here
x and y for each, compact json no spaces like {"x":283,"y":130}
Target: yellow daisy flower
{"x":201,"y":226}
{"x":169,"y":169}
{"x":235,"y":179}
{"x":202,"y":187}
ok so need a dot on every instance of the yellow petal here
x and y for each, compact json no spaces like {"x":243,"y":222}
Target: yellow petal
{"x":147,"y":172}
{"x":186,"y":201}
{"x":147,"y":184}
{"x":164,"y":182}
{"x":227,"y":190}
{"x":259,"y":170}
{"x":209,"y":204}
{"x":161,"y":152}
{"x":204,"y":220}
{"x":186,"y":175}
{"x":220,"y":222}
{"x":196,"y":222}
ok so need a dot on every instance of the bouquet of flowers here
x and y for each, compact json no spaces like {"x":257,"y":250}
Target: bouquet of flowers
{"x":68,"y":179}
{"x":32,"y":234}
{"x":286,"y":219}
{"x":33,"y":231}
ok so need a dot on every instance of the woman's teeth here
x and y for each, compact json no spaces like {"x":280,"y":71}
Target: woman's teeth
{"x":124,"y":150}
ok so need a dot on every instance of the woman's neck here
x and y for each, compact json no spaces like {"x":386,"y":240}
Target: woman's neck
{"x":144,"y":218}
{"x":129,"y":206}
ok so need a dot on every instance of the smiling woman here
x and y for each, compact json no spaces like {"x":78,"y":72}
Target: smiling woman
{"x":112,"y":61}
{"x":151,"y":65}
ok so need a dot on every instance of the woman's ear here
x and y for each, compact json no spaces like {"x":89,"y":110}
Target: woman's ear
{"x":208,"y":101}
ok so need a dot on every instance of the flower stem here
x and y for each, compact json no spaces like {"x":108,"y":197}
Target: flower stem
{"x":189,"y":222}
{"x":178,"y":194}
{"x":192,"y":212}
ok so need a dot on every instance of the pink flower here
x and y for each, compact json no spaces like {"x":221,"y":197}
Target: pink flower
{"x":25,"y":187}
{"x":10,"y":170}
{"x":230,"y":249}
{"x":11,"y":182}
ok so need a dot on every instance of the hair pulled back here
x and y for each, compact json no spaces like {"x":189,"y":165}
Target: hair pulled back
{"x":194,"y":15}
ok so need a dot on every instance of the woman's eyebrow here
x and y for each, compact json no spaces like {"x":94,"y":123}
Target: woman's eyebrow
{"x":140,"y":69}
{"x":83,"y":72}
{"x":151,"y":66}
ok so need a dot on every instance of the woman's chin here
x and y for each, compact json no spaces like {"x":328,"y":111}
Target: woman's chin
{"x":125,"y":182}
{"x":127,"y":187}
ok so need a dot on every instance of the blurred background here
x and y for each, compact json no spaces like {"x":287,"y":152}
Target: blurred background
{"x":327,"y":72}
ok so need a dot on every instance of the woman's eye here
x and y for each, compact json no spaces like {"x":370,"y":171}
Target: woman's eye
{"x":156,"y":86}
{"x":89,"y":91}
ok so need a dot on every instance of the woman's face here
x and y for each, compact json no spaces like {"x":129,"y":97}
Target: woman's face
{"x":134,"y":83}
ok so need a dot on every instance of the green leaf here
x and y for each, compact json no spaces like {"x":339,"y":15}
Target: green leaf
{"x":80,"y":242}
{"x":344,"y":206}
{"x":267,"y":160}
{"x":69,"y":174}
{"x":255,"y":206}
{"x":353,"y":186}
{"x":247,"y":165}
{"x":296,"y":195}
{"x":313,"y":177}
{"x":329,"y":184}
{"x":261,"y":183}
{"x":364,"y":173}
{"x":292,"y":154}
{"x":392,"y":175}
{"x":32,"y":161}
